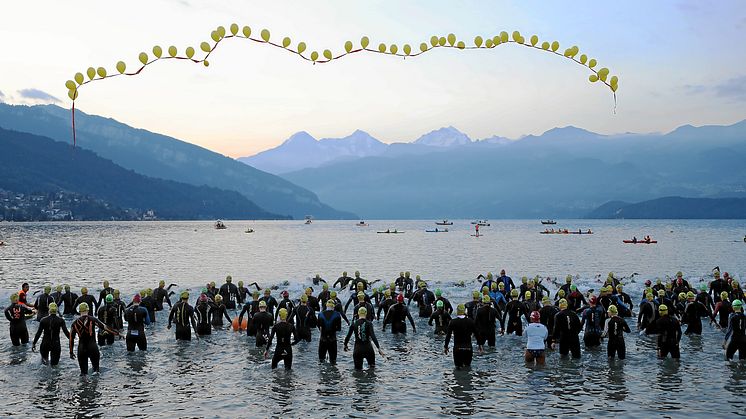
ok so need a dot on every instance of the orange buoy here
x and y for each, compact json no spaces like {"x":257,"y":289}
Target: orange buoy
{"x":243,"y":326}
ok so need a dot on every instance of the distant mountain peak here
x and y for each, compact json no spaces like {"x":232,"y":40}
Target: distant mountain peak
{"x":300,"y":137}
{"x":444,"y":137}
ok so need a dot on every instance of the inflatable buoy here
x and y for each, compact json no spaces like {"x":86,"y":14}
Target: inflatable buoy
{"x":243,"y":326}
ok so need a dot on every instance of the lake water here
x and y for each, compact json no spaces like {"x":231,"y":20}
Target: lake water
{"x":225,"y":375}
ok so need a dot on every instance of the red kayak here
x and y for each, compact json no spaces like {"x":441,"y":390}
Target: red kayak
{"x":640,"y":242}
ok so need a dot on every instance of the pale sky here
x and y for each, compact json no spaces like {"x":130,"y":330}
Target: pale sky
{"x":678,"y":62}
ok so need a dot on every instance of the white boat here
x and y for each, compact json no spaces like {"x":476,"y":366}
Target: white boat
{"x":362,"y":224}
{"x":219,"y":225}
{"x":444,"y":223}
{"x":482,"y":223}
{"x":308,"y":219}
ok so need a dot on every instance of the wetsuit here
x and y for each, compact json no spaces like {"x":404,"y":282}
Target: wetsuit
{"x":42,"y":306}
{"x":363,"y":350}
{"x":182,"y":314}
{"x":219,"y":311}
{"x":441,"y":319}
{"x":262,"y":324}
{"x":102,"y":295}
{"x":513,"y":312}
{"x":243,"y":292}
{"x":397,"y":316}
{"x":203,"y":313}
{"x":16,"y":315}
{"x":313,"y":303}
{"x":623,"y":303}
{"x":68,"y":299}
{"x":614,"y":330}
{"x":353,"y":301}
{"x":547,"y":315}
{"x":593,"y":320}
{"x":508,"y":281}
{"x":250,"y":308}
{"x":471,"y":309}
{"x":384,"y":306}
{"x":566,"y":330}
{"x":107,"y":315}
{"x":57,"y":297}
{"x":716,"y":287}
{"x":229,"y":292}
{"x":137,"y":318}
{"x":119,"y":308}
{"x":399,"y":282}
{"x":324,"y":296}
{"x":305,"y":321}
{"x":735,"y":336}
{"x":565,"y":288}
{"x":357,"y":280}
{"x":85,"y":327}
{"x":160,"y":295}
{"x":485,"y":320}
{"x":287,"y":305}
{"x":575,"y":301}
{"x":462,"y":328}
{"x":329,"y":323}
{"x":343,"y":281}
{"x":271,"y":304}
{"x":669,"y":335}
{"x":724,"y":309}
{"x":283,"y":350}
{"x":86,"y":298}
{"x":149,"y":304}
{"x":51,"y":349}
{"x":693,"y":314}
{"x":424,"y":299}
{"x":370,"y":312}
{"x":408,"y":287}
{"x":647,"y":317}
{"x":706,"y":301}
{"x":338,"y":308}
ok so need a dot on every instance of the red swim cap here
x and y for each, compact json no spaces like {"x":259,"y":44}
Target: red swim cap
{"x":535,"y":317}
{"x":400,"y":298}
{"x":136,"y":299}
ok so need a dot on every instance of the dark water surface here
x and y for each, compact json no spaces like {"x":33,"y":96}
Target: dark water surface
{"x":225,"y":375}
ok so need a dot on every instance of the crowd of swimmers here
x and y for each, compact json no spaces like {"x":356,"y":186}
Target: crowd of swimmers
{"x":499,"y":307}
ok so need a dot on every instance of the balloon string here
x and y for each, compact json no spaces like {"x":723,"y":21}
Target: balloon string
{"x":73,"y":115}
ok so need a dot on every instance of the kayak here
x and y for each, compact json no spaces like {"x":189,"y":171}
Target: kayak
{"x":444,"y":223}
{"x":549,"y":222}
{"x":563,"y":232}
{"x":436,"y":231}
{"x":640,"y":242}
{"x":390,"y":232}
{"x":477,"y":235}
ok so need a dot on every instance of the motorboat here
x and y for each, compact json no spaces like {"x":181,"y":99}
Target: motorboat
{"x":219,"y":225}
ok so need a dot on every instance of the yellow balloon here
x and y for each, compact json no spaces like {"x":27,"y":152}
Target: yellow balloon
{"x":442,"y":41}
{"x":460,"y":45}
{"x":204,"y":46}
{"x":314,"y":56}
{"x":545,"y":45}
{"x":393,"y":49}
{"x":583,"y":59}
{"x":79,"y":78}
{"x":221,"y":31}
{"x":70,"y":85}
{"x":265,"y":35}
{"x":285,"y":42}
{"x":592,"y":63}
{"x":348,"y":46}
{"x":246,"y":31}
{"x":143,"y":57}
{"x":534,"y":40}
{"x":72,"y":94}
{"x":504,"y":36}
{"x":382,"y":47}
{"x":327,"y":54}
{"x":488,"y":43}
{"x":434,"y":41}
{"x":234,"y":28}
{"x":497,"y":40}
{"x":451,"y":39}
{"x":555,"y":46}
{"x":614,"y":80}
{"x":91,"y":72}
{"x":516,"y":36}
{"x":121,"y":67}
{"x":190,"y":52}
{"x":215,"y":36}
{"x":478,"y":41}
{"x":603,"y":71}
{"x":101,"y":72}
{"x":364,"y":42}
{"x":172,"y":51}
{"x":407,"y":49}
{"x":423,"y":47}
{"x":206,"y":63}
{"x":301,"y":47}
{"x":593,"y":78}
{"x":157,"y":51}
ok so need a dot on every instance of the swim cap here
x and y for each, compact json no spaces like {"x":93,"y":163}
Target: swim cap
{"x":663,"y":308}
{"x":362,"y":312}
{"x":203,"y":291}
{"x":84,"y":290}
{"x":682,"y":296}
{"x":344,"y":273}
{"x":737,"y":305}
{"x":648,"y":282}
{"x":106,"y":284}
{"x":546,"y":300}
{"x":330,"y":303}
{"x":703,"y":287}
{"x":14,"y":298}
{"x":143,"y":293}
{"x":267,"y":291}
{"x":401,"y":273}
{"x":661,"y":293}
{"x":679,"y":274}
{"x":613,"y":310}
{"x":493,"y":286}
{"x":485,"y":298}
{"x":67,"y":288}
{"x":59,"y":288}
{"x":304,"y":298}
{"x":489,"y":275}
{"x":83,"y":308}
{"x":136,"y":299}
{"x":400,"y":298}
{"x":535,"y":317}
{"x":285,"y":294}
{"x":438,"y":292}
{"x":333,"y":294}
{"x":212,"y":284}
{"x":514,"y":293}
{"x":255,"y":294}
{"x":262,"y":304}
{"x":485,"y":290}
{"x":309,"y":291}
{"x":657,"y":281}
{"x":202,"y":298}
{"x":229,"y":279}
{"x":562,"y":304}
{"x":527,"y":295}
{"x":475,"y":294}
{"x":649,"y":296}
{"x":52,"y":308}
{"x":461,"y":309}
{"x":524,"y":280}
{"x":218,"y":298}
{"x":47,"y":289}
{"x":387,"y":293}
{"x":359,"y":286}
{"x":690,"y":295}
{"x":360,"y":295}
{"x":531,"y":282}
{"x":573,"y":287}
{"x":417,"y":277}
{"x":669,"y":286}
{"x":109,"y":298}
{"x":439,"y":304}
{"x":184,"y":295}
{"x":611,"y":275}
{"x":723,"y":295}
{"x":240,"y":283}
{"x":501,"y":285}
{"x":406,"y":274}
{"x":568,"y":279}
{"x":593,"y":300}
{"x":283,"y":313}
{"x":325,"y":287}
{"x":422,"y":284}
{"x":162,"y":283}
{"x":619,"y":287}
{"x":561,"y":293}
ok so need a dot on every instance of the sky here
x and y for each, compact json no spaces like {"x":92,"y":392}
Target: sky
{"x":678,"y":62}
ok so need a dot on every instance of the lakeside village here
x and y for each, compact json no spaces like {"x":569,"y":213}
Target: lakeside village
{"x":64,"y":206}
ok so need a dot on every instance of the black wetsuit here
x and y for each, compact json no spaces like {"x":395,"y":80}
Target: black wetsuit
{"x":353,"y":300}
{"x":243,"y":292}
{"x":86,"y":298}
{"x":249,"y":309}
{"x":85,"y":328}
{"x":219,"y":311}
{"x":42,"y":306}
{"x":566,"y":330}
{"x":424,"y":299}
{"x":356,"y":280}
{"x":323,"y":297}
{"x":137,"y":318}
{"x":706,"y":301}
{"x":305,"y":321}
{"x":446,"y":304}
{"x":107,"y":315}
{"x":343,"y":281}
{"x":471,"y":308}
{"x":441,"y":319}
{"x":363,"y":350}
{"x":370,"y":312}
{"x":625,"y":308}
{"x":576,"y":301}
{"x":462,"y":328}
{"x":735,"y":336}
{"x":329,"y":323}
{"x":284,"y":349}
{"x":262,"y":324}
{"x":287,"y":305}
{"x":148,"y":303}
{"x":669,"y":335}
{"x":692,"y":317}
{"x":615,"y":329}
{"x":102,"y":295}
{"x":724,"y":309}
{"x":50,"y":348}
{"x":203,"y":313}
{"x":547,"y":315}
{"x":230,"y":294}
{"x":159,"y":296}
{"x":513,"y":312}
{"x":68,"y":299}
{"x":647,"y":317}
{"x":384,"y":306}
{"x":182,"y":314}
{"x":716,"y":287}
{"x":397,"y":317}
{"x":486,"y":317}
{"x":593,"y":321}
{"x":16,"y":315}
{"x":57,"y":297}
{"x":313,"y":303}
{"x":271,"y":304}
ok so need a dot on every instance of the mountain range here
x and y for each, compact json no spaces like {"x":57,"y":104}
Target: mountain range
{"x":673,"y":208}
{"x":164,"y":157}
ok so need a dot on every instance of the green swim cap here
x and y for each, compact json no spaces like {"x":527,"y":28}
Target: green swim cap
{"x":514,"y":293}
{"x":14,"y":298}
{"x":573,"y":287}
{"x":240,"y":283}
{"x":333,"y":294}
{"x":184,"y":295}
{"x":360,"y":295}
{"x":109,"y":298}
{"x":737,"y":305}
{"x":161,"y":283}
{"x":52,"y":308}
{"x":84,"y":290}
{"x":439,"y":304}
{"x":475,"y":294}
{"x":613,"y":310}
{"x":703,"y":287}
{"x":229,"y":279}
{"x":461,"y":309}
{"x":116,"y":293}
{"x":438,"y":292}
{"x":325,"y":287}
{"x":47,"y":289}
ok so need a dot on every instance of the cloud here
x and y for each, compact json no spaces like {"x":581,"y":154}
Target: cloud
{"x":2,"y":97}
{"x":734,"y":89}
{"x":38,"y":95}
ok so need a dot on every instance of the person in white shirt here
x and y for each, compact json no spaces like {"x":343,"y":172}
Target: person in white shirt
{"x":537,"y":335}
